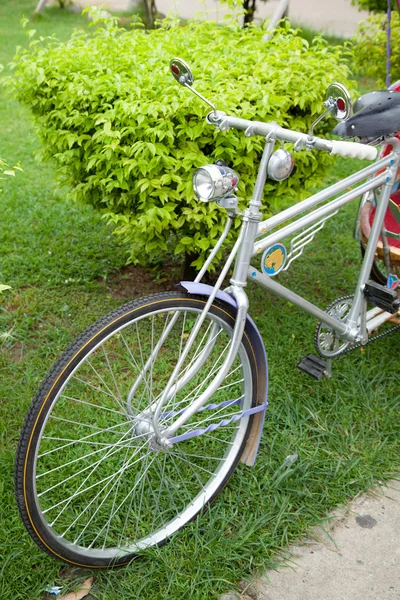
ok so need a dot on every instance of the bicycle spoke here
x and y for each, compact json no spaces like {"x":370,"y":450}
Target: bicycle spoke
{"x":111,"y":451}
{"x":79,"y":492}
{"x":137,"y":367}
{"x":140,"y":497}
{"x":105,"y":385}
{"x":80,"y":440}
{"x":115,"y":484}
{"x":77,"y":400}
{"x":92,"y":386}
{"x":80,"y":424}
{"x":180,"y":456}
{"x":120,"y":505}
{"x":75,"y":460}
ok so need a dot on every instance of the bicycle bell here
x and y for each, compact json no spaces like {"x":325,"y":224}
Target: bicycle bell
{"x":280,"y":165}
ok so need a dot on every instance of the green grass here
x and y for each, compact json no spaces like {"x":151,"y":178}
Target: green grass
{"x":345,"y":430}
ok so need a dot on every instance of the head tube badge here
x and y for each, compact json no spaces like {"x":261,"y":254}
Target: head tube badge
{"x":273,"y":260}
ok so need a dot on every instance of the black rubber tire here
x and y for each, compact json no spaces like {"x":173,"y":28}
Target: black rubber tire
{"x":376,"y":274}
{"x":42,"y":404}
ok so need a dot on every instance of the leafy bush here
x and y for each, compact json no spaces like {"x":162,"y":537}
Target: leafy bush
{"x":126,"y":137}
{"x":5,"y":170}
{"x":374,"y":5}
{"x":370,"y":48}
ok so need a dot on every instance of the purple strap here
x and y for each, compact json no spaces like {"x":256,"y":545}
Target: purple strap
{"x":213,"y":426}
{"x":175,"y":413}
{"x":388,"y":49}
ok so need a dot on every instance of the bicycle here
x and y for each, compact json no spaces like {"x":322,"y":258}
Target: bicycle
{"x":142,"y":421}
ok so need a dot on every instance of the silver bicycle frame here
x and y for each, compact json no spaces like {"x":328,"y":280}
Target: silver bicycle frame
{"x":354,"y":328}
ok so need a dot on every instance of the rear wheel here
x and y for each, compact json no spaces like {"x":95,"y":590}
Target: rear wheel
{"x":93,"y":487}
{"x":379,"y":271}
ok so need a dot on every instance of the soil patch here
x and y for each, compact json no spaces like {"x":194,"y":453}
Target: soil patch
{"x":134,"y":281}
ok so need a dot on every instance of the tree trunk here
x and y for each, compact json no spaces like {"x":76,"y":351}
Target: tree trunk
{"x":150,"y":10}
{"x":250,"y":8}
{"x":189,"y":272}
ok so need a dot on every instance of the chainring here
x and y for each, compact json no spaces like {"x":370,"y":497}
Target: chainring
{"x":339,"y":312}
{"x":327,"y":341}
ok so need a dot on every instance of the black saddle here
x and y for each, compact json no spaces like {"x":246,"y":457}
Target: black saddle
{"x":377,"y":114}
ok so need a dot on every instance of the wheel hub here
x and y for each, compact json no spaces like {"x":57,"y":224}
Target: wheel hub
{"x":144,"y":428}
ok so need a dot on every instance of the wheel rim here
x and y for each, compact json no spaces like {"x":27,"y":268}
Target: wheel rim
{"x":100,"y":487}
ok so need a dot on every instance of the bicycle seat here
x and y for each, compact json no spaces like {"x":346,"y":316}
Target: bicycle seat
{"x":377,"y":114}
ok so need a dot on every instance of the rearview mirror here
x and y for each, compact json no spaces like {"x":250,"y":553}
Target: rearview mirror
{"x":183,"y":75}
{"x":338,"y":102}
{"x":181,"y":71}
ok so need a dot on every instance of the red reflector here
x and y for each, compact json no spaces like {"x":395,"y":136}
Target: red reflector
{"x":234,"y":180}
{"x":175,"y":69}
{"x":341,"y":104}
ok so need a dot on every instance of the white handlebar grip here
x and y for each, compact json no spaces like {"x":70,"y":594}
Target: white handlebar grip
{"x":354,"y":150}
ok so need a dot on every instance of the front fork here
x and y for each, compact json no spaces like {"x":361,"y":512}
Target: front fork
{"x":239,"y":295}
{"x":242,"y":251}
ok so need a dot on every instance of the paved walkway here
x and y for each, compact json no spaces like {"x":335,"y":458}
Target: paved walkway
{"x":359,"y":560}
{"x":332,"y":16}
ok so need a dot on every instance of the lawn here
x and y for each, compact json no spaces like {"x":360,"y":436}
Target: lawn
{"x":61,"y":260}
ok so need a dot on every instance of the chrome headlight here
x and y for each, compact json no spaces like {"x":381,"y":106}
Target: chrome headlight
{"x":214,"y":181}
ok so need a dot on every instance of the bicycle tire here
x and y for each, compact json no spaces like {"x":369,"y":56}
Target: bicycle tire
{"x":75,"y":399}
{"x":376,"y":273}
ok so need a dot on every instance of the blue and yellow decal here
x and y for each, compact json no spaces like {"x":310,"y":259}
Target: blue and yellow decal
{"x":273,"y":260}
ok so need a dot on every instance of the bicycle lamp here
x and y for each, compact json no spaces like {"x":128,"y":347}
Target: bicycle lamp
{"x":214,"y":181}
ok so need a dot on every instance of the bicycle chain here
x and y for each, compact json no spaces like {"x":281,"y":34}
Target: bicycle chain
{"x":371,"y":339}
{"x":353,"y":346}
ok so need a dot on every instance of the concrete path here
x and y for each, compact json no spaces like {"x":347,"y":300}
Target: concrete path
{"x":361,"y":561}
{"x":332,"y":16}
{"x":338,"y":17}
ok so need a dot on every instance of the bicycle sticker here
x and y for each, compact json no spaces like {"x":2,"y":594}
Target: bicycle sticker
{"x":393,"y":282}
{"x":274,"y":259}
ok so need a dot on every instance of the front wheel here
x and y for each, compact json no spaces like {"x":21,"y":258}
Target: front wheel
{"x":92,"y":486}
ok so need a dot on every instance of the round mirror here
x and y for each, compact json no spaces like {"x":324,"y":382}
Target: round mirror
{"x":338,"y":101}
{"x":181,"y":71}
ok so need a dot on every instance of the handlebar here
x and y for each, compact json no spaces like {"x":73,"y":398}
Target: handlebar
{"x":353,"y":150}
{"x":301,"y":140}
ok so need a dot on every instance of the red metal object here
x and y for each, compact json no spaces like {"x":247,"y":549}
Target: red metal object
{"x":175,"y":69}
{"x":340,"y":103}
{"x":390,"y":222}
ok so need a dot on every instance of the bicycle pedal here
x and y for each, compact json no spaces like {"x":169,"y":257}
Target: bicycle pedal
{"x":314,"y":366}
{"x":382,"y":297}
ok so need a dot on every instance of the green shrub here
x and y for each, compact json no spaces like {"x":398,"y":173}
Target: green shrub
{"x":374,"y":5}
{"x":370,"y":48}
{"x":126,"y":137}
{"x":5,"y":170}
